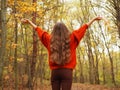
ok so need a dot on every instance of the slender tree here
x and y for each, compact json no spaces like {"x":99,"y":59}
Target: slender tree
{"x":114,"y":9}
{"x":34,"y":53}
{"x":2,"y":37}
{"x":81,"y":65}
{"x":15,"y":42}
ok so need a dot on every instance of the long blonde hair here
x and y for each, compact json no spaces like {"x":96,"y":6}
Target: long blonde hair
{"x":60,"y":44}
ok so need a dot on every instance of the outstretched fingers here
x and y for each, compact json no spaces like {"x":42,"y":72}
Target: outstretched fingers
{"x":24,"y":20}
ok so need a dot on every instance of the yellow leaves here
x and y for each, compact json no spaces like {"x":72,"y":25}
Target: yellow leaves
{"x":25,"y":79}
{"x":6,"y":77}
{"x":20,"y":59}
{"x":18,"y":15}
{"x":22,"y":7}
{"x":108,"y":27}
{"x":40,"y":13}
{"x":10,"y":3}
{"x":10,"y":68}
{"x":107,"y":24}
{"x":14,"y":45}
{"x":25,"y":7}
{"x":11,"y":58}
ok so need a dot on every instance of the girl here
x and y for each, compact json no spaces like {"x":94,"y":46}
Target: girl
{"x":61,"y":46}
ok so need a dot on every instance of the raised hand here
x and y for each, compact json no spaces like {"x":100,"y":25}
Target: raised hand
{"x":98,"y":18}
{"x":24,"y":20}
{"x":27,"y":21}
{"x":94,"y":19}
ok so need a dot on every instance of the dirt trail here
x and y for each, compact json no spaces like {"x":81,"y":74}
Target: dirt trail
{"x":91,"y":87}
{"x":74,"y":87}
{"x":83,"y":87}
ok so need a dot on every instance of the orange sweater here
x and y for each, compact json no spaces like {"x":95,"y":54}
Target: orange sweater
{"x":75,"y":38}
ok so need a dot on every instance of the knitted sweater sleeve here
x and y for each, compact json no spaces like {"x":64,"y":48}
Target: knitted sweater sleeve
{"x":78,"y":34}
{"x":43,"y":36}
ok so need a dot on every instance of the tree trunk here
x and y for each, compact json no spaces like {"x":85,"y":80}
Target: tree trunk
{"x":91,"y":60}
{"x":110,"y":58}
{"x":90,"y":53}
{"x":103,"y":68}
{"x":41,"y":65}
{"x":116,"y":5}
{"x":81,"y":73}
{"x":81,"y":66}
{"x":15,"y":54}
{"x":97,"y":81}
{"x":96,"y":52}
{"x":106,"y":45}
{"x":2,"y":38}
{"x":75,"y":76}
{"x":34,"y":56}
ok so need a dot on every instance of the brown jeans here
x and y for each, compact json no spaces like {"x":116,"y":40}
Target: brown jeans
{"x":61,"y":79}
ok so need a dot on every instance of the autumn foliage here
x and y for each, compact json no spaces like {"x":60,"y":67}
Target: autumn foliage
{"x":98,"y":54}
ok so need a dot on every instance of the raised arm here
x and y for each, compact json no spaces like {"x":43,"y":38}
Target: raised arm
{"x":27,"y":21}
{"x":43,"y":35}
{"x":94,"y":19}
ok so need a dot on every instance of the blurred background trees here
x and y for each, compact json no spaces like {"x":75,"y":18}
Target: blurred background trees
{"x":23,"y":58}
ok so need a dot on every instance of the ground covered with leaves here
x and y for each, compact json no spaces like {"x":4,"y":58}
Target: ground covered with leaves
{"x":75,"y":86}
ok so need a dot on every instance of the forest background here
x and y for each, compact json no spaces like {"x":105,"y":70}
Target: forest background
{"x":23,"y":58}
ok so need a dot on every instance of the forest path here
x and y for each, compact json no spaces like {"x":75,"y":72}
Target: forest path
{"x":78,"y":86}
{"x":91,"y":87}
{"x":74,"y":87}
